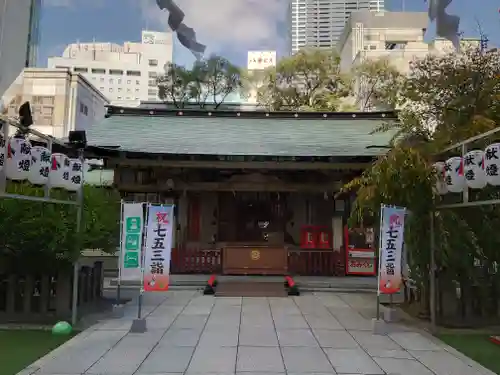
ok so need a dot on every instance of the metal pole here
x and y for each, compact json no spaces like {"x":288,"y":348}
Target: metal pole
{"x":432,"y":275}
{"x":79,"y":214}
{"x":381,"y":221}
{"x":46,"y":188}
{"x":3,"y":176}
{"x":141,"y":291}
{"x":120,"y":258}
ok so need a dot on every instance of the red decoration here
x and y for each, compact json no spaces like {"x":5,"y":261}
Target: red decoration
{"x":307,"y":237}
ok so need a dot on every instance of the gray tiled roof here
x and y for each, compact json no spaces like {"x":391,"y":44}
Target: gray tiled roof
{"x":239,"y":136}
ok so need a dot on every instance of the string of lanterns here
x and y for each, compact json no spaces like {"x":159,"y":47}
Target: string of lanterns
{"x":38,"y":165}
{"x":475,"y":170}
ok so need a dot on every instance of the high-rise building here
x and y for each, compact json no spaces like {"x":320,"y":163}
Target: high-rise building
{"x":19,"y":38}
{"x":319,"y":23}
{"x":126,"y":74}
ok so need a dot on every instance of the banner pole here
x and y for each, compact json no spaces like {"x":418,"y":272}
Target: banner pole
{"x":141,"y":291}
{"x":379,"y":258}
{"x":120,"y":257}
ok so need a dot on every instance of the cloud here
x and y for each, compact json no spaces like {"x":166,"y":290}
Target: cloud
{"x":228,"y":24}
{"x":58,"y":3}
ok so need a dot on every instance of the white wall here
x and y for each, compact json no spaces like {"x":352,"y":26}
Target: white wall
{"x":87,"y":101}
{"x":14,"y":31}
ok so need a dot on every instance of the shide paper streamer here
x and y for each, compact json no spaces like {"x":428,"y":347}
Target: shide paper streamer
{"x":446,"y":24}
{"x":185,"y":34}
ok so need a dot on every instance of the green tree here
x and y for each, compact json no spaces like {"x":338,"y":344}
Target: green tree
{"x":309,"y":80}
{"x":207,"y":84}
{"x":444,"y":99}
{"x":38,"y":236}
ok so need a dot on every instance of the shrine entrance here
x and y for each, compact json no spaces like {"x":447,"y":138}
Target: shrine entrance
{"x":251,"y":228}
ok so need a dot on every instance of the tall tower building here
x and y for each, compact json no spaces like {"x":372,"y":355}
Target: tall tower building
{"x":19,"y":38}
{"x":319,"y":23}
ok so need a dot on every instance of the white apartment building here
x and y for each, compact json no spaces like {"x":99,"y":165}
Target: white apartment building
{"x":319,"y":23}
{"x":126,"y":74}
{"x":60,"y":100}
{"x":396,"y":36}
{"x":19,"y":38}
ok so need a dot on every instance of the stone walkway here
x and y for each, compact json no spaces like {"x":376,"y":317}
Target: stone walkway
{"x":188,"y":333}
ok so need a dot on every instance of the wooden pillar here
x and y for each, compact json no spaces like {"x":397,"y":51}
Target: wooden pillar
{"x":44,"y":294}
{"x":63,"y":293}
{"x":98,"y":279}
{"x":29,"y":283}
{"x":11,"y":294}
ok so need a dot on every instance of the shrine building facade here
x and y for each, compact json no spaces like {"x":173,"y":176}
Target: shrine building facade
{"x":254,"y":192}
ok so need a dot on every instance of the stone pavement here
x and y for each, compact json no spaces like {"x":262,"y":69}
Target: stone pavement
{"x":188,"y":333}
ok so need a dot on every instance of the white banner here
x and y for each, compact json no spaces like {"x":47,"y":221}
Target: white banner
{"x":392,"y":225}
{"x":158,"y":247}
{"x":132,"y":224}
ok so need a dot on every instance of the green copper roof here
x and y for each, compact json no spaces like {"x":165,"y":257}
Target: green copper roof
{"x":232,"y":135}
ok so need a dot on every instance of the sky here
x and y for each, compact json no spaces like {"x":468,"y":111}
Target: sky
{"x":229,"y":28}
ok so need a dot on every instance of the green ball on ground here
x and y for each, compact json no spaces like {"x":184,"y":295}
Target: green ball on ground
{"x":62,"y":329}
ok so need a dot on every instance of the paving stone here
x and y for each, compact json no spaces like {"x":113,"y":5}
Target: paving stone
{"x":218,"y":337}
{"x":257,"y":336}
{"x":121,"y":359}
{"x":173,"y":359}
{"x":398,"y":366}
{"x":335,"y":339}
{"x":221,"y":359}
{"x":368,"y":340}
{"x":190,"y":321}
{"x":382,"y":353}
{"x":414,"y":341}
{"x":302,"y":360}
{"x":355,"y":322}
{"x":255,"y":320}
{"x":291,"y":322}
{"x":180,"y":337}
{"x":352,"y":361}
{"x":296,"y":337}
{"x":444,"y":363}
{"x":259,"y":359}
{"x":323,"y":322}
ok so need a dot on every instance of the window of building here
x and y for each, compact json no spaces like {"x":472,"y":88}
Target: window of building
{"x":133,"y":73}
{"x":372,"y":47}
{"x":152,"y":92}
{"x":116,"y":72}
{"x":102,"y":79}
{"x":99,"y":71}
{"x":119,"y":89}
{"x":43,"y":100}
{"x":137,"y":82}
{"x":152,"y":83}
{"x":129,"y":82}
{"x":119,"y":98}
{"x":80,"y":70}
{"x":152,"y":74}
{"x":111,"y":80}
{"x":101,"y":88}
{"x":128,"y":90}
{"x":84,"y":109}
{"x":110,"y":89}
{"x":119,"y":81}
{"x":153,"y":62}
{"x":137,"y":89}
{"x":61,"y":67}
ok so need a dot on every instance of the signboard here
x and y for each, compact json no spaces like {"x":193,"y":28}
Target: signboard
{"x":158,"y":248}
{"x":259,"y":60}
{"x":361,"y":266}
{"x":131,"y":241}
{"x":390,"y":276}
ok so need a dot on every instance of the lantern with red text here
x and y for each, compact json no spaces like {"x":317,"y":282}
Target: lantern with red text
{"x":75,"y":180}
{"x":454,"y":175}
{"x":59,"y":171}
{"x":492,"y":164}
{"x":40,"y":165}
{"x":441,"y":187}
{"x":3,"y":151}
{"x":474,"y":173}
{"x":18,"y":162}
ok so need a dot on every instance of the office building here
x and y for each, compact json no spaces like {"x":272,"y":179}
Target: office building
{"x":126,"y":74}
{"x":319,"y":23}
{"x":19,"y":38}
{"x":61,"y":100}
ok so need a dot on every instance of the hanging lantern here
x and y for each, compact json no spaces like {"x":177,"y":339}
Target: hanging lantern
{"x":18,"y":162}
{"x":492,"y":164}
{"x":75,"y":180}
{"x":441,"y":187}
{"x":59,"y":171}
{"x":40,"y":165}
{"x":454,"y":175}
{"x":474,"y":174}
{"x":3,"y":151}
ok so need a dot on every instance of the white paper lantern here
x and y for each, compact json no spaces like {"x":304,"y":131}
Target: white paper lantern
{"x":75,"y":180}
{"x":40,"y":165}
{"x":474,"y":174}
{"x":441,"y":187}
{"x":18,"y":162}
{"x":492,"y":164}
{"x":454,"y":175}
{"x":59,"y":171}
{"x":3,"y":151}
